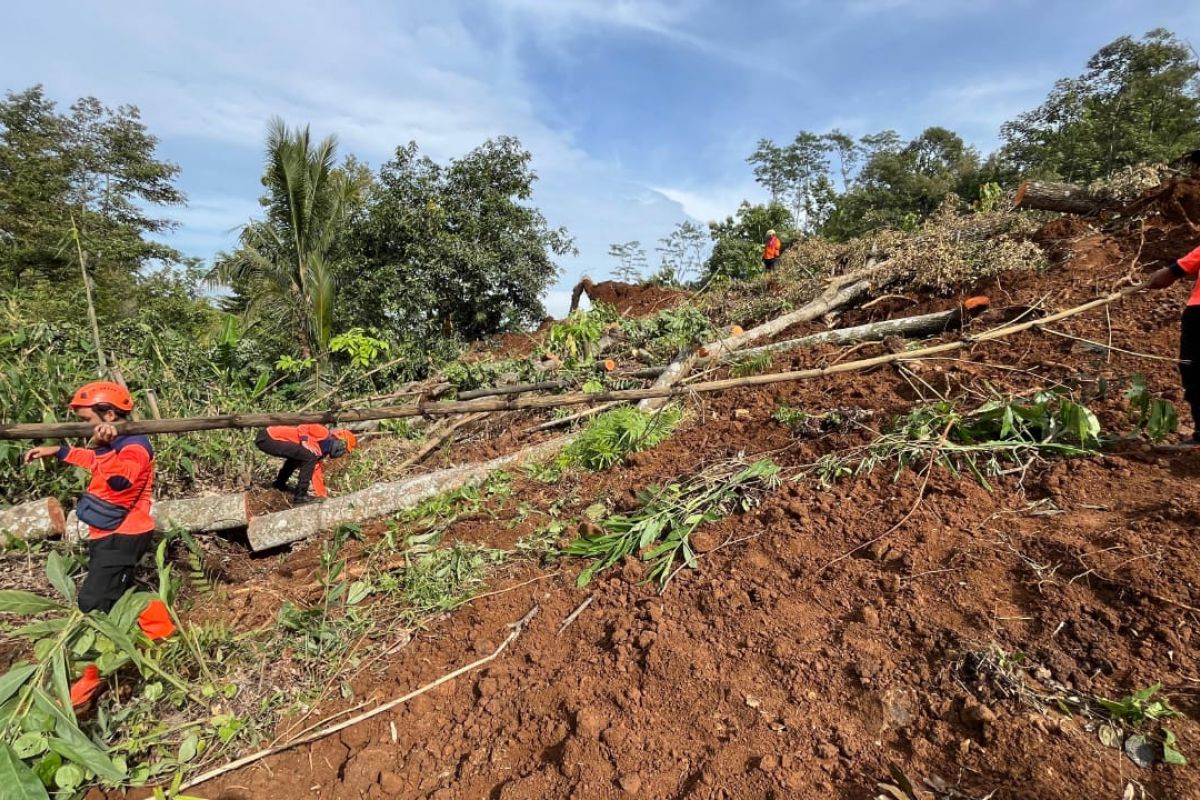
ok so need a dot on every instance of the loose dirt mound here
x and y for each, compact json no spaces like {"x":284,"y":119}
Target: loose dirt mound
{"x":633,"y":300}
{"x":829,"y":636}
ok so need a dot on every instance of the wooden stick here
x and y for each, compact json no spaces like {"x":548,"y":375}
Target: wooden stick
{"x":516,"y":388}
{"x":558,"y":423}
{"x":575,"y":614}
{"x":517,"y":628}
{"x":438,"y":437}
{"x":64,"y":429}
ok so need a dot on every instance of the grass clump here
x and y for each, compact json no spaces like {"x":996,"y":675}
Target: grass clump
{"x":610,"y":437}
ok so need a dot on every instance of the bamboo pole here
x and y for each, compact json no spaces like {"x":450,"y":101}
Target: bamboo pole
{"x":12,"y":431}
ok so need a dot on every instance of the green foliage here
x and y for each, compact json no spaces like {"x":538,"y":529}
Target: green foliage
{"x":1137,"y":101}
{"x":574,"y":339}
{"x":285,"y":268}
{"x":660,"y":529}
{"x":631,"y":260}
{"x":745,"y":366}
{"x":1138,"y":708}
{"x":444,"y":578}
{"x":467,"y":375}
{"x":1153,"y":415}
{"x":453,"y":250}
{"x":361,"y":349}
{"x":738,"y":241}
{"x":668,"y":331}
{"x":984,"y":441}
{"x":681,"y":254}
{"x":96,"y":164}
{"x":611,"y":436}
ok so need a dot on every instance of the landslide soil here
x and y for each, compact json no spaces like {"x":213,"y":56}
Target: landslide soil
{"x":828,"y":635}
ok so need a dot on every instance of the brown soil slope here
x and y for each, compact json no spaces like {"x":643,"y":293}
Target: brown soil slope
{"x":764,"y":674}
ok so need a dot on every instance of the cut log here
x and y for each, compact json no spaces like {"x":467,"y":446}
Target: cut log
{"x":1066,"y":198}
{"x":217,"y":512}
{"x":923,"y":325}
{"x":37,"y":519}
{"x":274,"y":530}
{"x":214,"y":512}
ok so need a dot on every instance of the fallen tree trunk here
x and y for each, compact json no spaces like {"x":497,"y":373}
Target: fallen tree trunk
{"x":1066,"y":198}
{"x":213,"y":512}
{"x":284,"y":527}
{"x":923,"y":325}
{"x":37,"y":519}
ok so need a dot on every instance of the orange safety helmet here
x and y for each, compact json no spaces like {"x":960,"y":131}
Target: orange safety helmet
{"x":102,"y":393}
{"x":348,"y":437}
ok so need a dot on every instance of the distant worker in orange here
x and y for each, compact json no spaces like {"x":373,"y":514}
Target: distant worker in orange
{"x":116,"y":504}
{"x":302,"y":448}
{"x":771,"y":250}
{"x":1189,"y":331}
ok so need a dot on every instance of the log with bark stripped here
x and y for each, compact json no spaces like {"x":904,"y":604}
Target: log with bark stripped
{"x":273,"y":530}
{"x":37,"y":519}
{"x":1066,"y":198}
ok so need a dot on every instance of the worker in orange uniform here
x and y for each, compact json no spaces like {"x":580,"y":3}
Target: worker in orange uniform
{"x":1189,"y":331}
{"x":771,"y":250}
{"x":116,"y":505}
{"x":303,"y":447}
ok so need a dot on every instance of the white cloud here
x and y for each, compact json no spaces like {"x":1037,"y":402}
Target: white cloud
{"x":713,"y":203}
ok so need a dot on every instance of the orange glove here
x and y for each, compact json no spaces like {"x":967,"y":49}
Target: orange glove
{"x":85,"y":688}
{"x":155,"y":620}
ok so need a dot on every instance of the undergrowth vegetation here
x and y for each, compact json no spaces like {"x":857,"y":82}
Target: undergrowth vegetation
{"x":610,"y":437}
{"x":659,"y":531}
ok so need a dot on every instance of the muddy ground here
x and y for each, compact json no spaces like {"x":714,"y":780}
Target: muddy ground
{"x":797,"y":662}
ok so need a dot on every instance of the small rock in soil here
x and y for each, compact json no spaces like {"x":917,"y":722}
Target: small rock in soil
{"x":768,"y":763}
{"x":1140,"y":750}
{"x":590,"y":722}
{"x":631,"y":783}
{"x":392,"y":784}
{"x":870,"y":616}
{"x":741,"y":414}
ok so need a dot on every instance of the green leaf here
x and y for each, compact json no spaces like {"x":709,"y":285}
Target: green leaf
{"x":29,"y":745}
{"x":71,"y":743}
{"x":57,"y":571}
{"x":359,"y":591}
{"x":48,"y":627}
{"x":14,"y":601}
{"x":17,"y":779}
{"x":69,"y":777}
{"x":14,"y":679}
{"x":187,"y":750}
{"x":1170,"y":754}
{"x":46,"y":768}
{"x":62,"y":686}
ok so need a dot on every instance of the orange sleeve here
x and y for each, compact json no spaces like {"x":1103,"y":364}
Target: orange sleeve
{"x":1190,"y":263}
{"x":79,"y":457}
{"x":317,"y":432}
{"x":318,"y":481}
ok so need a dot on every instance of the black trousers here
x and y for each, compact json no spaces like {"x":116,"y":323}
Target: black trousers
{"x":1189,"y":360}
{"x":110,"y":569}
{"x":295,"y":457}
{"x":769,"y":263}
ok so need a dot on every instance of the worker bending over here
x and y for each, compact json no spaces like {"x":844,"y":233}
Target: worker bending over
{"x":303,"y":447}
{"x":771,"y":250}
{"x":1189,"y":331}
{"x":116,"y":505}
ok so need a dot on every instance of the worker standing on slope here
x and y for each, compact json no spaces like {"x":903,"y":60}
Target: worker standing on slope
{"x":771,"y":250}
{"x":302,"y":448}
{"x":1189,"y":331}
{"x":116,"y":505}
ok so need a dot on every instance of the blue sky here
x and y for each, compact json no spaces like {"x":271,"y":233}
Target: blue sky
{"x":639,"y":114}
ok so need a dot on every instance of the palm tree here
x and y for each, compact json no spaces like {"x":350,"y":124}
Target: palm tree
{"x":284,"y":264}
